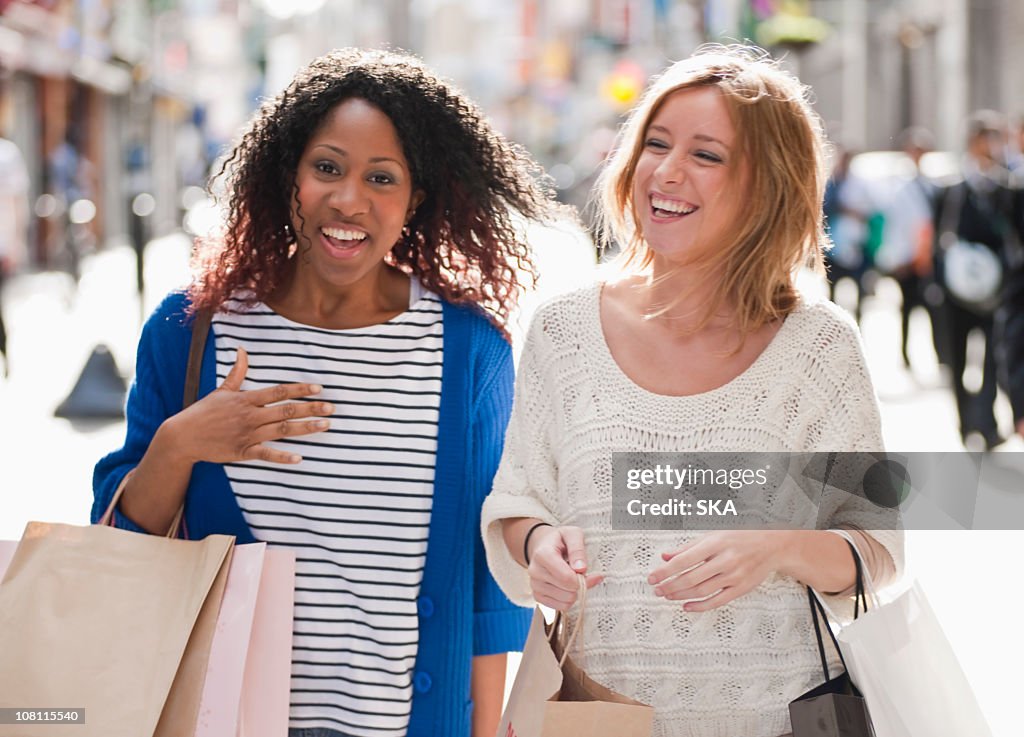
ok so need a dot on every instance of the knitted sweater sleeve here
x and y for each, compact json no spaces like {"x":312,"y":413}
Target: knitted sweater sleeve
{"x":526,"y":479}
{"x":162,"y":351}
{"x":499,"y":626}
{"x":853,"y":424}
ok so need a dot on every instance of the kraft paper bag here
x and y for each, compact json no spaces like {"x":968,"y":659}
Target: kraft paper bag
{"x":266,"y":687}
{"x":181,"y":710}
{"x":554,"y":697}
{"x":115,"y":622}
{"x":222,"y":692}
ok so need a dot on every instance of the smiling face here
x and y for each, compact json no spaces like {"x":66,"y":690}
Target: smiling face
{"x":684,"y":185}
{"x":354,"y":195}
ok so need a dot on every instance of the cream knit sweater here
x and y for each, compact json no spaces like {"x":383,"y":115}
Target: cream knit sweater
{"x":730,"y":672}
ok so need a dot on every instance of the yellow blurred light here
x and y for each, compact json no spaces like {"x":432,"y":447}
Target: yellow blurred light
{"x":622,"y":89}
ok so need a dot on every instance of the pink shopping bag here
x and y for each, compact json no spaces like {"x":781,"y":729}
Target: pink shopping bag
{"x":222,"y":691}
{"x":266,"y":687}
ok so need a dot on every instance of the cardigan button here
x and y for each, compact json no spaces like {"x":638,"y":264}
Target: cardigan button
{"x":421,"y":682}
{"x":425,"y":605}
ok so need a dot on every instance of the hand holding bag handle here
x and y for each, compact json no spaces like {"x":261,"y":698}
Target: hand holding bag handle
{"x":558,"y":626}
{"x":196,"y":348}
{"x":865,"y":591}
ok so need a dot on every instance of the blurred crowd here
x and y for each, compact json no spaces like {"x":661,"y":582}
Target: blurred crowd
{"x":947,"y":229}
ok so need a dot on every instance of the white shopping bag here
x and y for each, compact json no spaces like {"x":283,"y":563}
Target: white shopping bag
{"x":899,"y":658}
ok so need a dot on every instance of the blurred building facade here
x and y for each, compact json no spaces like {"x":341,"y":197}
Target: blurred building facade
{"x":140,"y":95}
{"x":889,"y":64}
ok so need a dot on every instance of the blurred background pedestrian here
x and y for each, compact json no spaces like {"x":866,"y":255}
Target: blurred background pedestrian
{"x":977,"y":221}
{"x":846,"y":212}
{"x":906,"y":244}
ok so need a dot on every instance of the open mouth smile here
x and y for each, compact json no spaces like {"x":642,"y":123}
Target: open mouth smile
{"x":666,"y":209}
{"x":343,"y":242}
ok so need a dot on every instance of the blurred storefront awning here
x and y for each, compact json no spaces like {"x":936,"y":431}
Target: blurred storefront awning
{"x":33,"y":40}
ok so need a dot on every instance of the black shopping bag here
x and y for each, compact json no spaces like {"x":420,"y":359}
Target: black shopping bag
{"x":835,"y":708}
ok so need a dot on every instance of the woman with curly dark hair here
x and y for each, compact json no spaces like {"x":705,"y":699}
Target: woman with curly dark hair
{"x":354,"y":391}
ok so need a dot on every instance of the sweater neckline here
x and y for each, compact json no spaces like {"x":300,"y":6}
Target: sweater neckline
{"x":592,"y":321}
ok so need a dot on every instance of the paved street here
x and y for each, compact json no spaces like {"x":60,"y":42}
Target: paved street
{"x":970,"y":576}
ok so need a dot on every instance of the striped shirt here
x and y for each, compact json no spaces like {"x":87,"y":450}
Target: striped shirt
{"x":356,"y":509}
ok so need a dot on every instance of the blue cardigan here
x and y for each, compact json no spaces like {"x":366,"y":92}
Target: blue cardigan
{"x":462,"y":612}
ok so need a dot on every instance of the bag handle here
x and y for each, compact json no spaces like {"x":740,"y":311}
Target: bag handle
{"x":816,"y":607}
{"x":870,"y":590}
{"x":558,"y":625}
{"x":196,"y":348}
{"x":200,"y":329}
{"x":108,"y":516}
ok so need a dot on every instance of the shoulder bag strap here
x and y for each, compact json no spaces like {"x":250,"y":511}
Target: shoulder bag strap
{"x":200,"y":329}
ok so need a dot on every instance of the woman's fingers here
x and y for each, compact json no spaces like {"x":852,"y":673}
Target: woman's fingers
{"x":555,"y":582}
{"x":233,"y":381}
{"x":690,"y":579}
{"x":260,"y":452}
{"x":296,"y":411}
{"x":281,"y":393}
{"x":552,"y":596}
{"x":723,"y":597}
{"x":699,"y":590}
{"x":550,"y":556}
{"x":285,"y":429}
{"x":575,"y":548}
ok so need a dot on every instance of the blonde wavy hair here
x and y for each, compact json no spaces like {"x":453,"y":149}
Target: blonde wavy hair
{"x":780,"y":139}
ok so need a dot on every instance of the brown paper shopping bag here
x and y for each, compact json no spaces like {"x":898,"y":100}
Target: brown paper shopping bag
{"x":115,"y":622}
{"x":554,"y":697}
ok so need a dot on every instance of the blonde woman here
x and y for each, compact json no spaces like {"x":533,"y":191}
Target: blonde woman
{"x":701,"y":342}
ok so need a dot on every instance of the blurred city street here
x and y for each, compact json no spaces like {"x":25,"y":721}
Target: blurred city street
{"x":114,"y":116}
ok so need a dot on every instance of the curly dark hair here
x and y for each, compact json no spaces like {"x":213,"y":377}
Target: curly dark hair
{"x":462,"y":242}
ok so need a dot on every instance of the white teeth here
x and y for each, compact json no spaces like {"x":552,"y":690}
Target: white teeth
{"x":344,"y":235}
{"x":671,"y":206}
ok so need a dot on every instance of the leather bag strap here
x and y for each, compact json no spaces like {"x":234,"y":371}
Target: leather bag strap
{"x":200,"y":329}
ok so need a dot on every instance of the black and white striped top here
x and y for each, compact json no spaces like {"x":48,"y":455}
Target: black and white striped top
{"x":356,"y":509}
